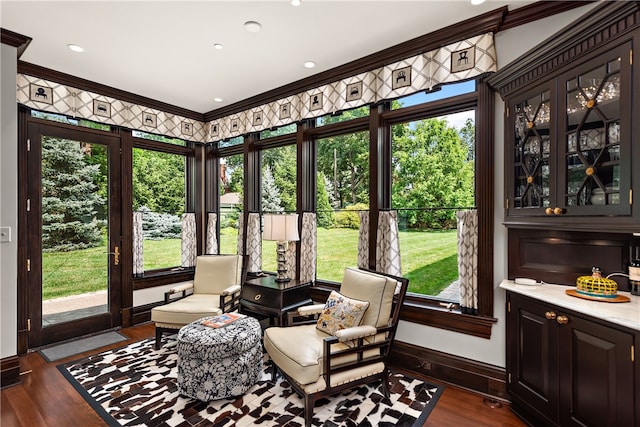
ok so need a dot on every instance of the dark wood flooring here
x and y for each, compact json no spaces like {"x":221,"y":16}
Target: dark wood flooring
{"x":46,"y":399}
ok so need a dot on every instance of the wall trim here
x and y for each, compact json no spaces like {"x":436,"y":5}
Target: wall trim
{"x":10,"y":371}
{"x":468,"y":374}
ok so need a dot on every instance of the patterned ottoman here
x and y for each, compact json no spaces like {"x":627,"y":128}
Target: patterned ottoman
{"x":214,"y":363}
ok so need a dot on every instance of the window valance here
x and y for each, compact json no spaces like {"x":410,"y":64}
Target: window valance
{"x":458,"y":61}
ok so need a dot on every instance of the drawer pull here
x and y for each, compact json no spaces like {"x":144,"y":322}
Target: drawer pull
{"x":562,"y":320}
{"x":257,"y":297}
{"x":550,"y":315}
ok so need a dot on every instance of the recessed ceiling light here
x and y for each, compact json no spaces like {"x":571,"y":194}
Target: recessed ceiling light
{"x":477,"y":2}
{"x":75,"y":48}
{"x":309,"y":64}
{"x":217,"y":99}
{"x":252,"y":26}
{"x":217,"y":46}
{"x":296,"y":2}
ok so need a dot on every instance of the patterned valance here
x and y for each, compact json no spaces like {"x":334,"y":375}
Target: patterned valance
{"x":57,"y":98}
{"x":455,"y":62}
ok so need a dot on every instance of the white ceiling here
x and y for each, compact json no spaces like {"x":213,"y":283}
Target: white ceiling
{"x":164,"y":49}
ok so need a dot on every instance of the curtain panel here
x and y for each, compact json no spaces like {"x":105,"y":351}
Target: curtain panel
{"x":363,"y":240}
{"x":138,"y":247}
{"x":388,"y":244}
{"x":254,"y":243}
{"x":189,"y":241}
{"x":308,"y":247}
{"x":211,"y":246}
{"x":468,"y":260}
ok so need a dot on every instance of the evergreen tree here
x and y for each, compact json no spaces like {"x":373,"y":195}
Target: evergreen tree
{"x":70,"y":199}
{"x":270,"y":196}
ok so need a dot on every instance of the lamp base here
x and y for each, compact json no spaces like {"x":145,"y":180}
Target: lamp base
{"x":281,"y":249}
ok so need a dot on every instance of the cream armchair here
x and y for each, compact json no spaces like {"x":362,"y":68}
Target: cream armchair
{"x":346,"y":346}
{"x":215,"y":290}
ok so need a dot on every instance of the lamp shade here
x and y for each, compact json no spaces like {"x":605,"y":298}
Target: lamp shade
{"x":282,"y":228}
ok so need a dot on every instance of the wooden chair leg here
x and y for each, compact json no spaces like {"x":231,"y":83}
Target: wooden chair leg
{"x":309,"y":402}
{"x":274,"y":372}
{"x":158,"y":338}
{"x":385,"y":383}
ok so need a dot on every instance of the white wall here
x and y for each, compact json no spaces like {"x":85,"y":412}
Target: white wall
{"x":8,"y":201}
{"x":510,"y":44}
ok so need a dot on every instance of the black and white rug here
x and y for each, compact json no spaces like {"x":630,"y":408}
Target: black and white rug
{"x":136,"y":386}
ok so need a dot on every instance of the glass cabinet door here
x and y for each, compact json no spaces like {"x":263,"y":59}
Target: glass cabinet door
{"x":595,"y":174}
{"x":532,"y":151}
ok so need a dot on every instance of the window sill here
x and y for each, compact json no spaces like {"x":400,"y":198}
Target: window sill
{"x":427,"y":312}
{"x":151,"y":279}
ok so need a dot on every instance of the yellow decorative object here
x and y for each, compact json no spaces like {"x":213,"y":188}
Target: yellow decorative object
{"x":596,"y":285}
{"x":591,"y":103}
{"x":590,"y":171}
{"x":529,"y":125}
{"x":529,"y":179}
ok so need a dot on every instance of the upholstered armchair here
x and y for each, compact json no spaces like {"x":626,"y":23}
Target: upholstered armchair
{"x":348,"y":342}
{"x":215,"y":289}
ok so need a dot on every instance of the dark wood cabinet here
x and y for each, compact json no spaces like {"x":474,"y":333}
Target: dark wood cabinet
{"x":568,"y":369}
{"x":569,"y":128}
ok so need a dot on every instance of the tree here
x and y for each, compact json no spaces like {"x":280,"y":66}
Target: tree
{"x":282,"y":163}
{"x":324,"y":209}
{"x":70,"y":200}
{"x":270,"y":195}
{"x":158,"y":181}
{"x":431,"y":170}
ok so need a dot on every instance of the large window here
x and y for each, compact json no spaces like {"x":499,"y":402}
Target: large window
{"x":342,"y":192}
{"x":159,"y":178}
{"x":433,"y":176}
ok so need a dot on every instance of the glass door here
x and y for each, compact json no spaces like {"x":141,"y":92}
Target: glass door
{"x":74,"y":233}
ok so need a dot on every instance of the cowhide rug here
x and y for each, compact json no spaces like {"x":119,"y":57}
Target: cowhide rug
{"x":136,"y":386}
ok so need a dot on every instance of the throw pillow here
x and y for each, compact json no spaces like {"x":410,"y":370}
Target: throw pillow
{"x":341,"y":312}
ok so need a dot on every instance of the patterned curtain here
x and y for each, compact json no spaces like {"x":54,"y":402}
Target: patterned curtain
{"x":388,"y":244}
{"x":212,"y":240}
{"x":241,"y":234}
{"x":363,"y":240}
{"x":138,"y":253}
{"x":189,"y":247}
{"x":468,"y":260}
{"x":291,"y":263}
{"x":254,"y":243}
{"x":308,"y":247}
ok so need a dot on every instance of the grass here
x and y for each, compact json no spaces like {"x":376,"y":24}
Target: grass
{"x":429,"y":260}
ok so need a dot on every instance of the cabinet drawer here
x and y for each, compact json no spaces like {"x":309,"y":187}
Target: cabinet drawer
{"x":261,"y":295}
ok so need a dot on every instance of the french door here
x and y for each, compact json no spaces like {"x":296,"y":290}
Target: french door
{"x":73,"y":232}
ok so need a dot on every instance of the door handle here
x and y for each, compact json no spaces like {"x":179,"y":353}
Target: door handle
{"x":116,"y":255}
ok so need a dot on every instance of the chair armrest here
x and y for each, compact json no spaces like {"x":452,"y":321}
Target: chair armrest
{"x":350,"y":334}
{"x":180,"y":288}
{"x":183,"y":288}
{"x":309,"y":310}
{"x":231,"y":290}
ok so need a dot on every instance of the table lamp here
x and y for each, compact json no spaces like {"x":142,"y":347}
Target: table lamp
{"x":282,"y":228}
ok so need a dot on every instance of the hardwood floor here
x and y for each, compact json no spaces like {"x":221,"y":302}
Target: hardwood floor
{"x":46,"y":399}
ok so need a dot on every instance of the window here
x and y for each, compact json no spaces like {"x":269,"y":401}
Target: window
{"x":69,"y":120}
{"x":432,"y":177}
{"x":278,"y":191}
{"x":160,"y":181}
{"x":342,"y":192}
{"x":231,"y":185}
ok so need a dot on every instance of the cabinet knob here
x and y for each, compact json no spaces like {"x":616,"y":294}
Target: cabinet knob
{"x":548,"y":211}
{"x":257,"y":297}
{"x":550,"y":315}
{"x":558,"y":211}
{"x":562,"y":320}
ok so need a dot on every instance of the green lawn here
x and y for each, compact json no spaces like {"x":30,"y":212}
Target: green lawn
{"x":429,"y":260}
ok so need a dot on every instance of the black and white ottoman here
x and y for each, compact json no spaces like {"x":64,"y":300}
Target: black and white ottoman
{"x":214,"y":363}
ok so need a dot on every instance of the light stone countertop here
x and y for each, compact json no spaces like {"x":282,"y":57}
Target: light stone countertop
{"x":621,"y":313}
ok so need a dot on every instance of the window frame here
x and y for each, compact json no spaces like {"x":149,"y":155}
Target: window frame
{"x":148,"y":278}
